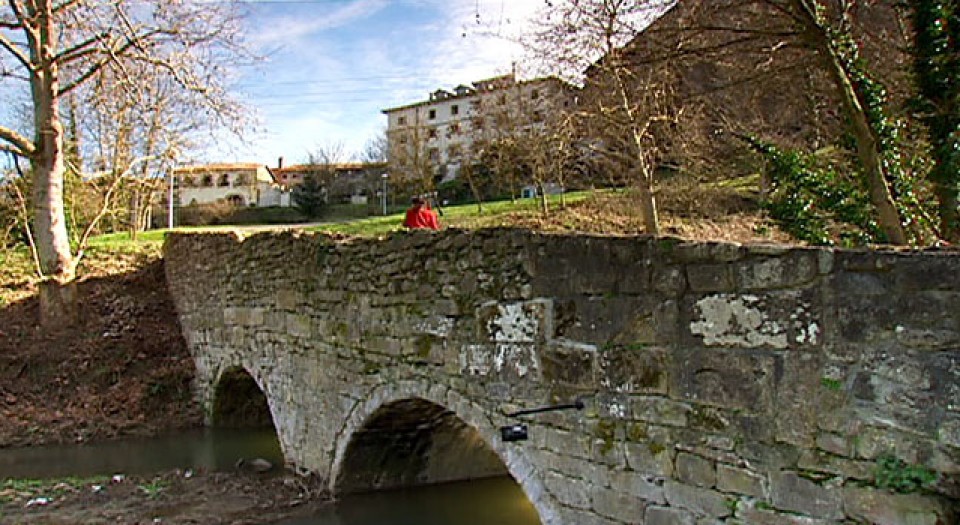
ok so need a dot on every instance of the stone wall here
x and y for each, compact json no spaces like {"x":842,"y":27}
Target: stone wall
{"x":723,"y":383}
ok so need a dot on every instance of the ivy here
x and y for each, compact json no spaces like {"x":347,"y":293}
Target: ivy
{"x":806,"y":199}
{"x":888,"y":131}
{"x":894,"y":474}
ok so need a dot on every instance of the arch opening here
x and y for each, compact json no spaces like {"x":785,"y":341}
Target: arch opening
{"x":414,"y":442}
{"x":240,"y":403}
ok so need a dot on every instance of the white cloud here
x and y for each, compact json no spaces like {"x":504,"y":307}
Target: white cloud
{"x":291,"y":30}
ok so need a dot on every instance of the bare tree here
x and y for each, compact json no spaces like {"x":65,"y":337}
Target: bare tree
{"x":376,"y":149}
{"x":586,"y":41}
{"x":411,"y":160}
{"x":63,"y":45}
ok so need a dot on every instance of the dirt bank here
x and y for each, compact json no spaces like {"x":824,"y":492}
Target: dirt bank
{"x":169,"y":498}
{"x":123,"y":371}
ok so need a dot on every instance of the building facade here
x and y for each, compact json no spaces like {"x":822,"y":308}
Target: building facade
{"x":241,"y":184}
{"x":431,"y":140}
{"x":342,"y":182}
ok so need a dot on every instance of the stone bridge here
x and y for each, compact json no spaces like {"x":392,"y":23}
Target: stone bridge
{"x":723,"y":383}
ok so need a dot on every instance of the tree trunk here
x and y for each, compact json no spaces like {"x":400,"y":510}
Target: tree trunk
{"x":648,"y":202}
{"x":868,"y":147}
{"x":58,"y":305}
{"x":946,"y":193}
{"x":544,"y":206}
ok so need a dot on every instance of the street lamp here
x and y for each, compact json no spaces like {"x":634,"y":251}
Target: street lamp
{"x":383,"y":194}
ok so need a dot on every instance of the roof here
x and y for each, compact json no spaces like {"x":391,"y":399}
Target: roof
{"x":202,"y":168}
{"x":486,"y":85}
{"x":336,"y":166}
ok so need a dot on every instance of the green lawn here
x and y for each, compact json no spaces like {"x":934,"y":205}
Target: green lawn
{"x":466,"y":216}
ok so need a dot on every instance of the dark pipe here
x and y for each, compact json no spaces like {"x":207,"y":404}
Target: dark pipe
{"x":578,"y":405}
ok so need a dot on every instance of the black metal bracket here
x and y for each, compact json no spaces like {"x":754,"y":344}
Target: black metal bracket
{"x":576,"y":405}
{"x":519,"y":431}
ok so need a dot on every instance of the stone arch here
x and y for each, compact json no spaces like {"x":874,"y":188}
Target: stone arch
{"x":238,"y":400}
{"x":456,"y":416}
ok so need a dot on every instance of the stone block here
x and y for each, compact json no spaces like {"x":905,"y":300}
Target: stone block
{"x":700,"y":501}
{"x":516,"y":322}
{"x":793,"y":493}
{"x":834,"y":444}
{"x":569,"y":363}
{"x":790,"y":270}
{"x":726,"y":378}
{"x":774,"y":320}
{"x":710,"y":278}
{"x":659,"y":410}
{"x":740,"y":481}
{"x":651,"y":458}
{"x":568,"y":491}
{"x":582,"y":517}
{"x":634,"y":369}
{"x":753,"y":515}
{"x":619,"y":506}
{"x":949,"y":432}
{"x":669,"y":280}
{"x":696,"y":470}
{"x":644,"y":486}
{"x":668,"y":516}
{"x":880,"y":507}
{"x":797,"y":398}
{"x":299,"y":325}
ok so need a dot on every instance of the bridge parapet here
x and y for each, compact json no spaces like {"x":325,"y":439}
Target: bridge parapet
{"x":723,"y":382}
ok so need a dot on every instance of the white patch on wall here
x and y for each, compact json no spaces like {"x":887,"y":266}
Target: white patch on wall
{"x":513,"y":323}
{"x":476,"y":360}
{"x":438,"y":326}
{"x":518,"y":359}
{"x":736,"y":320}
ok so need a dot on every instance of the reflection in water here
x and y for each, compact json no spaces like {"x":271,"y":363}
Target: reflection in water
{"x":495,"y":501}
{"x":214,"y":449}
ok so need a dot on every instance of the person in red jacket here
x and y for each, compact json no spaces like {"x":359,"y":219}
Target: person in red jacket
{"x":421,"y":216}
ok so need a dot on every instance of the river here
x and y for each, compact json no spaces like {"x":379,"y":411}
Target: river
{"x":496,"y":501}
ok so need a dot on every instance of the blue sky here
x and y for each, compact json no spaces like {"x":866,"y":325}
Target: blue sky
{"x":333,"y":65}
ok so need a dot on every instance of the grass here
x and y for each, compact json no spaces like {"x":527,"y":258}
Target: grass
{"x":467,"y":216}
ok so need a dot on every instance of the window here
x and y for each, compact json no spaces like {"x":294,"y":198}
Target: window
{"x":403,"y":139}
{"x":402,"y":121}
{"x":432,"y":133}
{"x":432,"y":114}
{"x":207,"y":181}
{"x":534,"y":94}
{"x":454,"y":109}
{"x":454,"y":129}
{"x":224,"y":180}
{"x":502,"y":100}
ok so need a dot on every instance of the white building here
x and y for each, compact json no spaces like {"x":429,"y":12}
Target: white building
{"x":438,"y":134}
{"x":241,"y":184}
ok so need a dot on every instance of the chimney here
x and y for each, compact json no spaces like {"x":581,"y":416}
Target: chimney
{"x":279,"y":163}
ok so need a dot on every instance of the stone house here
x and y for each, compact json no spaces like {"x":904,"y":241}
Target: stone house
{"x":434,"y":138}
{"x":343,"y":182}
{"x":241,"y":184}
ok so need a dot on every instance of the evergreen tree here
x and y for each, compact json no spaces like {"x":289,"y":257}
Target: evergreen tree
{"x":309,"y":196}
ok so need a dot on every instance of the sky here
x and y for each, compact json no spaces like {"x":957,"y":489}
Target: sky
{"x":332,"y":66}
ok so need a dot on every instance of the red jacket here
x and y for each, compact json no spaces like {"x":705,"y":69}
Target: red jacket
{"x":421,"y":217}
